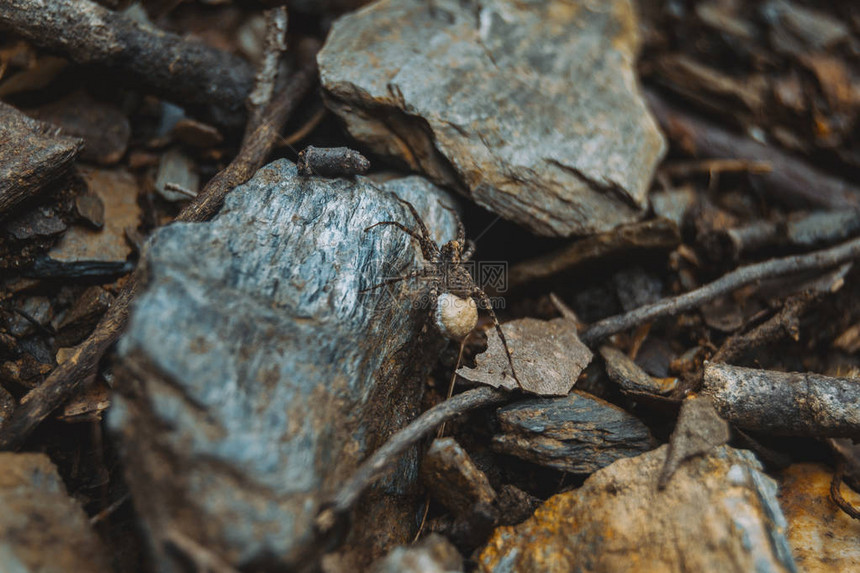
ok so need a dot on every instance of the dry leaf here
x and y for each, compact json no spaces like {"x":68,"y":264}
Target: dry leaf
{"x":548,"y":356}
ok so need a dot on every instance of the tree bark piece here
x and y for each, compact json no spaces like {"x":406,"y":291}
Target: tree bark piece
{"x":630,"y":377}
{"x":449,"y":472}
{"x":331,"y":162}
{"x":787,"y":404}
{"x":531,"y":110}
{"x":32,"y":155}
{"x":179,"y":70}
{"x":698,"y":431}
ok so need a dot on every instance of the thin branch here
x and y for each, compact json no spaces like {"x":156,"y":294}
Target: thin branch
{"x":264,"y":85}
{"x":257,"y":144}
{"x":836,"y":492}
{"x":774,"y":268}
{"x":375,"y":466}
{"x":166,"y":64}
{"x":62,"y":383}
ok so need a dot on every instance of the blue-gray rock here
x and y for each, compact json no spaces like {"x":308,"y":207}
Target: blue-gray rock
{"x":577,"y":433}
{"x":531,"y":108}
{"x":42,"y":529}
{"x":257,"y":376}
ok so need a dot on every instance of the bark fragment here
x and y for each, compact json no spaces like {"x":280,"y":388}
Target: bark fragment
{"x":782,"y":403}
{"x":32,"y":155}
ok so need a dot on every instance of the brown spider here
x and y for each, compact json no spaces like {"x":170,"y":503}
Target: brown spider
{"x":447,"y":276}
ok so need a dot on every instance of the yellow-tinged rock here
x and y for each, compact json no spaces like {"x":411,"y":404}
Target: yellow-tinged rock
{"x":718,"y":513}
{"x":822,"y":537}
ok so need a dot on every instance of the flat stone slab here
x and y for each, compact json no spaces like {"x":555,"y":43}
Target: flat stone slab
{"x":258,"y":376}
{"x":577,"y":433}
{"x":531,"y":109}
{"x":42,"y":529}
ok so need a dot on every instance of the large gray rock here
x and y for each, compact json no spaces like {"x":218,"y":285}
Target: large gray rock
{"x":258,"y":376}
{"x":529,"y":108}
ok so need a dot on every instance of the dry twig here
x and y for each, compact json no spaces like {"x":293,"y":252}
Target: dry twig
{"x":264,"y":85}
{"x":784,"y":403}
{"x":774,"y":268}
{"x":168,"y":65}
{"x":375,"y":466}
{"x":836,"y":492}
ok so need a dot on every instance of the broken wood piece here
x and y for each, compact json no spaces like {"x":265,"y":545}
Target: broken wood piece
{"x":712,"y":88}
{"x":810,"y":231}
{"x":267,"y":74}
{"x":33,"y":154}
{"x":791,"y":181}
{"x":698,"y":431}
{"x":632,"y":379}
{"x":80,"y":319}
{"x":183,"y":71}
{"x":331,"y":162}
{"x":783,"y":324}
{"x":786,"y":404}
{"x":455,"y":481}
{"x":577,"y":433}
{"x":453,"y":478}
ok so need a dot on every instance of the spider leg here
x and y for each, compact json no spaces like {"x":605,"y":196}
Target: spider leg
{"x":468,"y":251}
{"x":428,"y":245}
{"x":486,"y":304}
{"x":402,"y":227}
{"x":461,"y":230}
{"x":386,"y":282}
